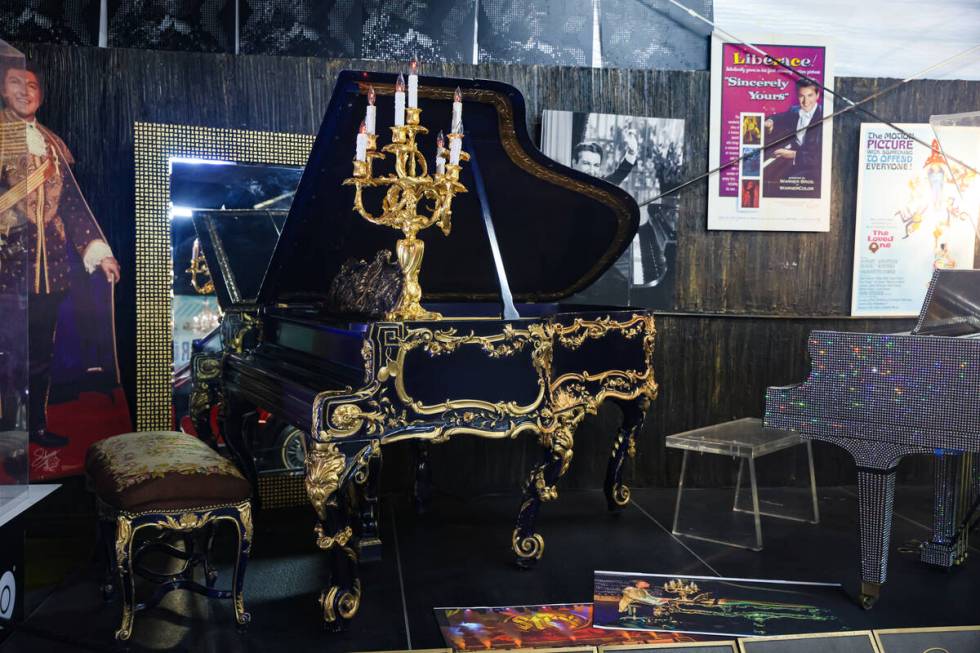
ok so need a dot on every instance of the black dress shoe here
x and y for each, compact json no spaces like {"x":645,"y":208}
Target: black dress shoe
{"x":48,"y":440}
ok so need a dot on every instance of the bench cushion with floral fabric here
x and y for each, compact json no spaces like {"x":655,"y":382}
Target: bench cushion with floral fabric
{"x":162,"y":470}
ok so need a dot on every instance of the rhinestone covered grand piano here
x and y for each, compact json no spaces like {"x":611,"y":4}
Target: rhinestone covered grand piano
{"x":885,"y":396}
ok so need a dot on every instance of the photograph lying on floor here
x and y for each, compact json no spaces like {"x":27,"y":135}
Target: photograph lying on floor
{"x":644,"y":157}
{"x":732,"y":607}
{"x":564,"y":624}
{"x":917,"y":208}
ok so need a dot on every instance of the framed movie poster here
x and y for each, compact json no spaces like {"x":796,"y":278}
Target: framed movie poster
{"x":769,"y":136}
{"x":859,"y":641}
{"x":916,"y":212}
{"x":952,"y":639}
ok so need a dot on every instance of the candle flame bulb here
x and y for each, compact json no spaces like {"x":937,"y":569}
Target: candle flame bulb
{"x":362,"y":129}
{"x":414,"y":67}
{"x":371,"y":95}
{"x":400,"y":84}
{"x":458,"y":95}
{"x":440,"y":140}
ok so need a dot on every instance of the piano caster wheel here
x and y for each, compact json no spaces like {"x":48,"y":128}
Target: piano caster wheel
{"x":869,"y":594}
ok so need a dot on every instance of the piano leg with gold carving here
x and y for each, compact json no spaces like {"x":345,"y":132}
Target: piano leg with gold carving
{"x":558,"y":438}
{"x":876,"y":496}
{"x":368,"y":483}
{"x":634,"y":413}
{"x":329,"y":475}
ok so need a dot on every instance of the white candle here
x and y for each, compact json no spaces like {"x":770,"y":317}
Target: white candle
{"x":360,"y":152}
{"x":371,"y":113}
{"x":457,"y":112}
{"x":400,"y":101}
{"x":455,"y":147}
{"x":413,"y":84}
{"x":440,"y":154}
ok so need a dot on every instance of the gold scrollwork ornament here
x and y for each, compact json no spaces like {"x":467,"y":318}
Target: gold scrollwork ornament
{"x":324,"y":465}
{"x":527,"y":547}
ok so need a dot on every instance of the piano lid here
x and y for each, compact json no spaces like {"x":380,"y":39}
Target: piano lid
{"x":558,"y":229}
{"x":237,"y":245}
{"x":952,"y":304}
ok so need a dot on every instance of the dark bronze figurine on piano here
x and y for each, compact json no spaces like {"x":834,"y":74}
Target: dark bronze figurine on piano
{"x":321,"y":346}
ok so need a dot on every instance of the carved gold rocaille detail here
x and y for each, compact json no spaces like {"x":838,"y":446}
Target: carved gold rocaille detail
{"x":371,"y":411}
{"x":324,"y":466}
{"x":531,"y":546}
{"x":124,"y":533}
{"x":507,"y":343}
{"x":325,"y":541}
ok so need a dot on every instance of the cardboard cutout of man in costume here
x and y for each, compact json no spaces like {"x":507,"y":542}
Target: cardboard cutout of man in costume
{"x":42,"y":207}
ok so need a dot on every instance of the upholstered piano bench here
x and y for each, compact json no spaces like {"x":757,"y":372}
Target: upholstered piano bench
{"x":177,"y":488}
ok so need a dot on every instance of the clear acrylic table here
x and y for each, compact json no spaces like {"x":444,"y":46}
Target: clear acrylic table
{"x":745,"y":439}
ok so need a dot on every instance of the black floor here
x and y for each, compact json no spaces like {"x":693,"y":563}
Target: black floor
{"x":458,"y":554}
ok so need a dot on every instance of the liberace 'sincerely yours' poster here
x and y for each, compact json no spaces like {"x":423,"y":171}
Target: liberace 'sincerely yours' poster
{"x":643,"y":156}
{"x":916,"y":209}
{"x":789,"y":188}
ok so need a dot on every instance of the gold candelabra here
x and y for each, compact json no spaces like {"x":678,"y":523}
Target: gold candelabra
{"x":410,"y":184}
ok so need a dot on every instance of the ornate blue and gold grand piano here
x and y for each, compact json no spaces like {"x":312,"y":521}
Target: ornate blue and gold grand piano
{"x":311,"y":343}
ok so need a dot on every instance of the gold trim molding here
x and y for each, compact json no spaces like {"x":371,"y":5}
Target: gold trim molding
{"x":154,"y":145}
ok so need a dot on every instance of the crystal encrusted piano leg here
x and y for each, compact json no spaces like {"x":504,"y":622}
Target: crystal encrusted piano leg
{"x":876,"y":494}
{"x":948,"y":478}
{"x":327,"y":480}
{"x":634,"y":412}
{"x":541,"y":486}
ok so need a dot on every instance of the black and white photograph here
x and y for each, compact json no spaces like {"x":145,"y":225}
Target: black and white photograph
{"x":643,"y":156}
{"x":301,"y":28}
{"x":555,"y":32}
{"x":431,"y":30}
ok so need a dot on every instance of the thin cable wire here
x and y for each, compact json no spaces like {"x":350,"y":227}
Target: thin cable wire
{"x":847,"y":109}
{"x":741,"y":42}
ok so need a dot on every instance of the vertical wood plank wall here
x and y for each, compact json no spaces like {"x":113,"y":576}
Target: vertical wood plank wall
{"x":745,"y":301}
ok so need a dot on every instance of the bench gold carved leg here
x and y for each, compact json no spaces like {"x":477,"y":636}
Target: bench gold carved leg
{"x":245,"y":532}
{"x":124,"y":549}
